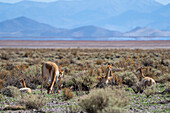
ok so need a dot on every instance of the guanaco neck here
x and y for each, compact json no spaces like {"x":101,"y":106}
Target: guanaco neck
{"x":107,"y":74}
{"x":141,"y":72}
{"x":108,"y":71}
{"x":23,"y":83}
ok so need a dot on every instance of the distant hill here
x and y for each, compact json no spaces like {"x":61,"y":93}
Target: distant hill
{"x":90,"y":32}
{"x":120,"y":15}
{"x":26,"y":28}
{"x":144,"y":31}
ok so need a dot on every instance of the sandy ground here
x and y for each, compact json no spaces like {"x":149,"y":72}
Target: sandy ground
{"x":84,"y":44}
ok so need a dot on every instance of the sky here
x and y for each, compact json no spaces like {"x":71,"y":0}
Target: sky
{"x":13,"y":1}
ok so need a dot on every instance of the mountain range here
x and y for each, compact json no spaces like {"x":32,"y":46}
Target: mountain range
{"x":121,"y":15}
{"x":25,"y":28}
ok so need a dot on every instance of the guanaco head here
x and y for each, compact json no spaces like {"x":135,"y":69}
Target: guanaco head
{"x":141,"y":68}
{"x":61,"y":73}
{"x":108,"y":70}
{"x":21,"y":80}
{"x":109,"y":67}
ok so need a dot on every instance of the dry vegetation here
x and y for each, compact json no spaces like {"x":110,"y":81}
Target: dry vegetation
{"x":82,"y":66}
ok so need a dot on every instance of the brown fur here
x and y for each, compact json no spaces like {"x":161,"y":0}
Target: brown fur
{"x":52,"y":71}
{"x":108,"y":78}
{"x":23,"y":83}
{"x":28,"y":90}
{"x":146,"y":81}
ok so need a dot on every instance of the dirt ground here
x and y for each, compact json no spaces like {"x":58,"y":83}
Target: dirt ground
{"x":84,"y":44}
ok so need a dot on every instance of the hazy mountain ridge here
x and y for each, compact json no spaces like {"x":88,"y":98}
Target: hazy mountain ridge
{"x":145,"y":31}
{"x":24,"y":27}
{"x":76,"y":13}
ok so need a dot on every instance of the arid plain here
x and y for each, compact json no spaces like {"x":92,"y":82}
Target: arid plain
{"x":84,"y":44}
{"x":83,"y":62}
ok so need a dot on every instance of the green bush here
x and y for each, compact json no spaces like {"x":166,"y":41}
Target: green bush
{"x":150,"y":91}
{"x":33,"y":101}
{"x":137,"y":87}
{"x":164,"y":78}
{"x":1,"y":97}
{"x":104,"y":100}
{"x":84,"y":82}
{"x":147,"y":62}
{"x":33,"y":76}
{"x":11,"y":91}
{"x":128,"y":78}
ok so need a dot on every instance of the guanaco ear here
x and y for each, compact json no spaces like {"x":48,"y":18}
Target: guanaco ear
{"x":21,"y":80}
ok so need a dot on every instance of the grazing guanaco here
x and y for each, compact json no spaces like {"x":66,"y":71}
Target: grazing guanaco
{"x":107,"y":78}
{"x":146,"y":81}
{"x":52,"y":71}
{"x":24,"y":89}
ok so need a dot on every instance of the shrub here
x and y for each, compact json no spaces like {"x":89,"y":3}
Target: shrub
{"x":67,"y":94}
{"x":147,"y":62}
{"x":33,"y":101}
{"x":128,"y":78}
{"x":33,"y":76}
{"x":165,"y":62}
{"x":11,"y":91}
{"x":149,"y":91}
{"x":99,"y":62}
{"x":1,"y":97}
{"x":164,"y":78}
{"x":137,"y":87}
{"x":104,"y":100}
{"x":5,"y":56}
{"x":84,"y":82}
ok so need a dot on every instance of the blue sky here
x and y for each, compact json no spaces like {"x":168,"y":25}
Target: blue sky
{"x":13,"y":1}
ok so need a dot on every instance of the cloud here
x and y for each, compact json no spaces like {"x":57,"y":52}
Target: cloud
{"x":163,"y":1}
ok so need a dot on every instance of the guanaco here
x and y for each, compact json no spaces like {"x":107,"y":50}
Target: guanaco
{"x":24,"y":89}
{"x":52,"y":71}
{"x":107,"y":78}
{"x":146,"y":81}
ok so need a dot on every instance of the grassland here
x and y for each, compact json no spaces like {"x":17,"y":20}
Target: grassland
{"x":81,"y":68}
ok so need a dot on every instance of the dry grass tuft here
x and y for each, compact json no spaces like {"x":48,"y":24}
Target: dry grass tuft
{"x":67,"y":94}
{"x":11,"y":91}
{"x":33,"y":101}
{"x":104,"y":100}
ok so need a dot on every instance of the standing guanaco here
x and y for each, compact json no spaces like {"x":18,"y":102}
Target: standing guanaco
{"x":52,"y":71}
{"x":107,"y":78}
